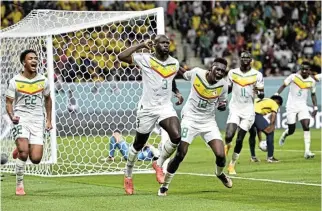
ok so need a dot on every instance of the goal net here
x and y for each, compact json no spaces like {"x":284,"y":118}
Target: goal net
{"x":93,"y":93}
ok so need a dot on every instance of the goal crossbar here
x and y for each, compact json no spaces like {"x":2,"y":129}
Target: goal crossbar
{"x":22,"y":29}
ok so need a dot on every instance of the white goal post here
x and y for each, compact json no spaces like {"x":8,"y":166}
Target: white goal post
{"x":93,"y":93}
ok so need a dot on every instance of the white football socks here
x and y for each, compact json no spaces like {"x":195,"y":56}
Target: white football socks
{"x":132,"y":157}
{"x":307,"y":140}
{"x":166,"y":151}
{"x":167,"y":180}
{"x":234,"y":158}
{"x":219,"y":170}
{"x":20,"y":171}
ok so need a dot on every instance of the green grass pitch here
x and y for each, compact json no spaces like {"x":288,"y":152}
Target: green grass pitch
{"x":293,"y":184}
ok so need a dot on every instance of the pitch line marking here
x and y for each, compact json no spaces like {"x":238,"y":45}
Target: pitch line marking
{"x":255,"y":179}
{"x":294,"y":150}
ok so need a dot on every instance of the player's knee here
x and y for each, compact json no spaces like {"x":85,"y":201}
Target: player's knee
{"x":176,"y":140}
{"x":35,"y":160}
{"x":229,"y":136}
{"x":23,"y":155}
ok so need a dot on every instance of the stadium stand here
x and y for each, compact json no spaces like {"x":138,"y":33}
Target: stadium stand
{"x":280,"y":35}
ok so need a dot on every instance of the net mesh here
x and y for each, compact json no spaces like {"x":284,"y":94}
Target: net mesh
{"x":95,"y":94}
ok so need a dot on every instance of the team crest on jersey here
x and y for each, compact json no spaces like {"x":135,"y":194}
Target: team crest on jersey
{"x":163,"y":70}
{"x":30,"y":87}
{"x":244,"y":80}
{"x":204,"y":91}
{"x":302,"y":84}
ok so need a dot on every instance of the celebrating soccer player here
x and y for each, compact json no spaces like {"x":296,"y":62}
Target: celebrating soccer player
{"x":245,"y":82}
{"x":198,"y":118}
{"x":296,"y":106}
{"x":28,"y":91}
{"x":158,"y":72}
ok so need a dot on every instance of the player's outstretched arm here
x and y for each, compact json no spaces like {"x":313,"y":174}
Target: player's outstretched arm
{"x":126,"y":55}
{"x":9,"y":108}
{"x":48,"y":107}
{"x":280,"y":90}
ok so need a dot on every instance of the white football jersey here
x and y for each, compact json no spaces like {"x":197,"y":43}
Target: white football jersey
{"x":242,"y":101}
{"x":28,"y":95}
{"x":318,"y":77}
{"x":203,"y":98}
{"x":157,"y":77}
{"x":299,"y":89}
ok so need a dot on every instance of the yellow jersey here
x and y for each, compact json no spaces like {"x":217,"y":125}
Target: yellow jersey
{"x":265,"y":106}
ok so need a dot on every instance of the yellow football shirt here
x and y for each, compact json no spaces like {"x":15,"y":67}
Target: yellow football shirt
{"x":265,"y":106}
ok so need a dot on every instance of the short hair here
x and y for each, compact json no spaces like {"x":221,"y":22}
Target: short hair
{"x":24,"y":54}
{"x":277,"y":97}
{"x":306,"y":63}
{"x":221,"y":60}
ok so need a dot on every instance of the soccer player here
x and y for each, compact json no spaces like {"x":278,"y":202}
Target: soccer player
{"x":296,"y":107}
{"x":264,"y":107}
{"x":198,"y":118}
{"x":155,"y":106}
{"x":29,"y":92}
{"x":245,"y":84}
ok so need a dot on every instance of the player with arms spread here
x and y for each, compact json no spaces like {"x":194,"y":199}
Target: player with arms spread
{"x":300,"y":84}
{"x":245,"y":82}
{"x":29,"y":92}
{"x":155,"y":106}
{"x":198,"y":117}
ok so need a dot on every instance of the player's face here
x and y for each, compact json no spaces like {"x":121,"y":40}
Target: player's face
{"x":31,"y":62}
{"x":305,"y":71}
{"x":218,"y":71}
{"x":245,"y":59}
{"x":162,"y":45}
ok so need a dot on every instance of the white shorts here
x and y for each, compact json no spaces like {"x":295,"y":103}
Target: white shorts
{"x":244,"y":123}
{"x":147,"y":118}
{"x":31,"y":131}
{"x":208,"y":131}
{"x":302,"y":113}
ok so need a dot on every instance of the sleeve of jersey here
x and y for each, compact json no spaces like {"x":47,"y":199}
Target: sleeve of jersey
{"x":260,"y":81}
{"x":274,"y":106}
{"x":11,"y":91}
{"x":188,"y":74}
{"x":47,"y":88}
{"x":137,"y":59}
{"x":288,"y":80}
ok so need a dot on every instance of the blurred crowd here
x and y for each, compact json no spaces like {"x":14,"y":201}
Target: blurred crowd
{"x":280,"y":35}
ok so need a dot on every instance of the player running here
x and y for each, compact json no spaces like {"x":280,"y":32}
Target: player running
{"x":198,"y":118}
{"x":245,"y":82}
{"x":29,"y":92}
{"x":158,"y":72}
{"x":266,"y":106}
{"x":296,"y":107}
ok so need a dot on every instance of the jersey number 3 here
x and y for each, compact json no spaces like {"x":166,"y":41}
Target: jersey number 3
{"x":165,"y":84}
